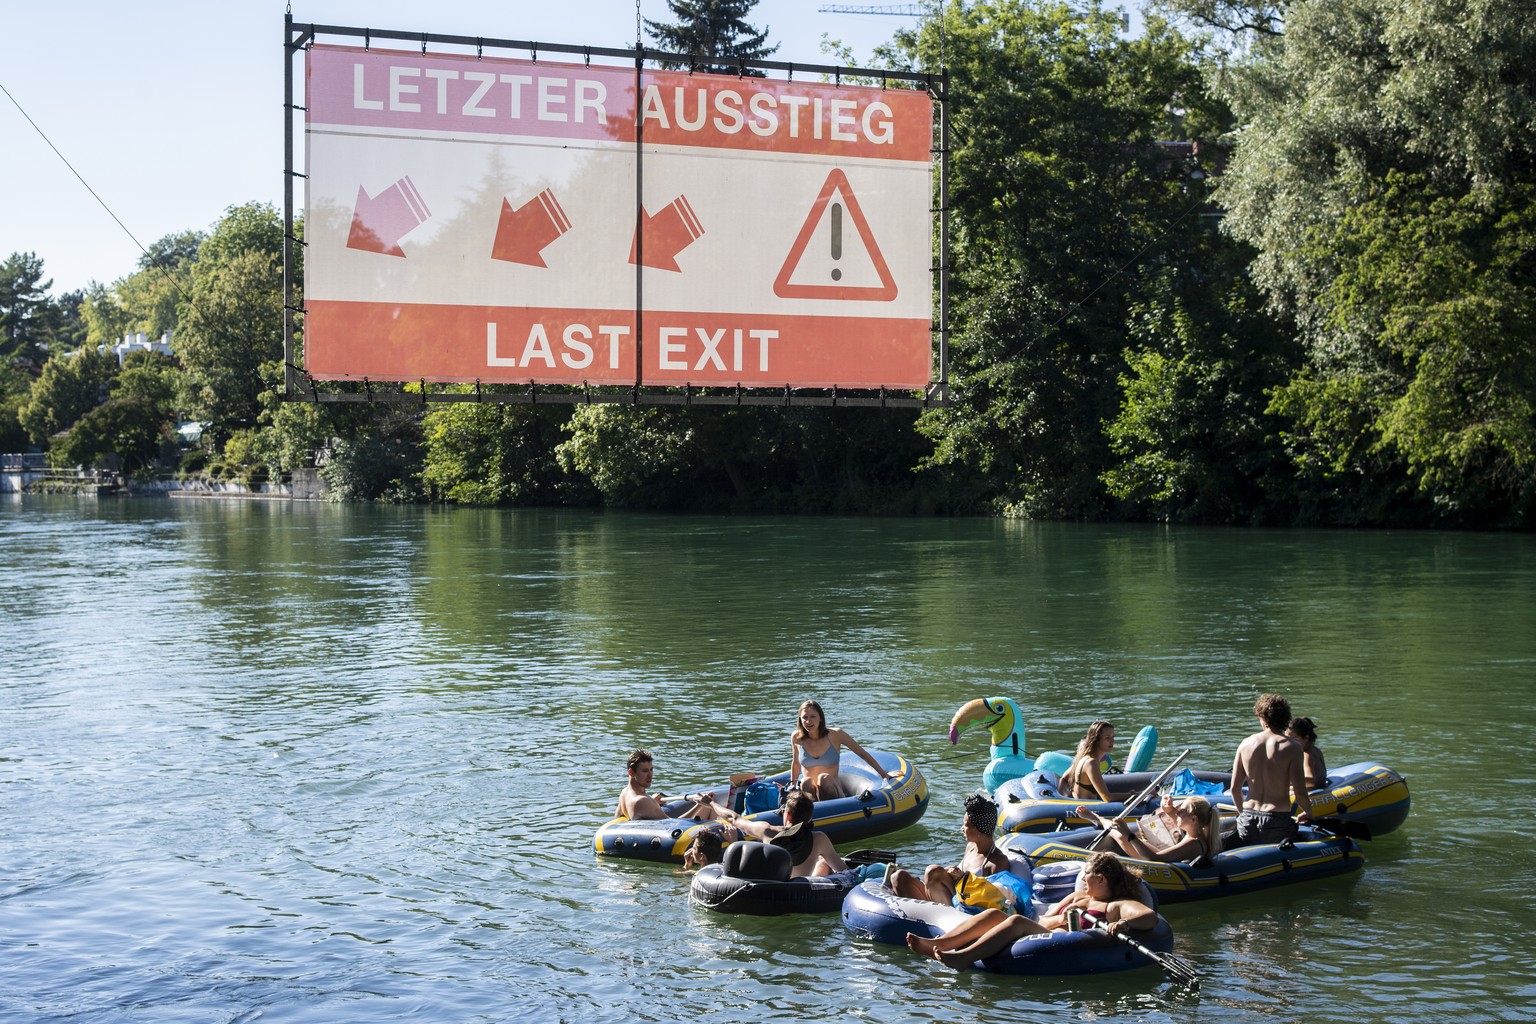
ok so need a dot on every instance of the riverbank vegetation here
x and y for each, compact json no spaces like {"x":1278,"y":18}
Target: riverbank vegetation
{"x":1256,"y":264}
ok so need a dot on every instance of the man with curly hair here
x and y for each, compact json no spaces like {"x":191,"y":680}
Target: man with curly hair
{"x":1267,"y":769}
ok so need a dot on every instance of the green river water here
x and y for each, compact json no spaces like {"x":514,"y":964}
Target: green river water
{"x":300,"y":762}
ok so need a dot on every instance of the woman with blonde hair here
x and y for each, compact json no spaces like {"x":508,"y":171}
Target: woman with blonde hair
{"x":1195,"y":831}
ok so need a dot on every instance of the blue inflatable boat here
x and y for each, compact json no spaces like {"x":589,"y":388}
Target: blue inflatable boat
{"x":872,"y":911}
{"x":1316,"y":854}
{"x":1366,"y":794}
{"x":879,"y":805}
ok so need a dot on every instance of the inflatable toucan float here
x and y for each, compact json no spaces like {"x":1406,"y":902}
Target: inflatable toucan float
{"x":1004,"y":722}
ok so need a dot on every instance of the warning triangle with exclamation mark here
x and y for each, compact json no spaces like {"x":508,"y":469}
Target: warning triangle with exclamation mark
{"x":835,"y":256}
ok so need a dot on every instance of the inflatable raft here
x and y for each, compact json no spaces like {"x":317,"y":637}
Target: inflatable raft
{"x":753,"y":878}
{"x":1365,"y":794}
{"x":1316,"y":854}
{"x":872,"y":911}
{"x":879,"y":805}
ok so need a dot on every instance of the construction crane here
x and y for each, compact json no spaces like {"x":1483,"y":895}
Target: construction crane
{"x":904,"y":10}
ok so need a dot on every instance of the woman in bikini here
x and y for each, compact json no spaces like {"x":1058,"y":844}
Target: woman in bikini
{"x":1111,"y":895}
{"x":1194,"y":825}
{"x":1085,"y":779}
{"x":814,"y":754}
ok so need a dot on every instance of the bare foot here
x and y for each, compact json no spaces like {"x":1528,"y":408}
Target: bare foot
{"x":919,"y":945}
{"x":950,"y":958}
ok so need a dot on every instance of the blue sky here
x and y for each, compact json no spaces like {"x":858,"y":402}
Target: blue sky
{"x":171,"y":110}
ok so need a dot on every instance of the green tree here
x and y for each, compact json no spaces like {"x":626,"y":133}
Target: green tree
{"x":712,"y":29}
{"x":15,"y":386}
{"x":173,"y":252}
{"x":67,"y":388}
{"x":104,"y":317}
{"x":753,"y":459}
{"x":149,"y":299}
{"x":147,"y":376}
{"x":133,"y":424}
{"x":1233,"y":22}
{"x":72,"y":332}
{"x":152,"y":297}
{"x":1194,"y":435}
{"x":1384,"y":177}
{"x":380,"y":463}
{"x":232,"y":323}
{"x":1437,"y":300}
{"x":292,"y":433}
{"x":28,"y":318}
{"x":249,"y":227}
{"x":232,"y":326}
{"x":631,"y":455}
{"x":492,"y":454}
{"x":1061,"y":216}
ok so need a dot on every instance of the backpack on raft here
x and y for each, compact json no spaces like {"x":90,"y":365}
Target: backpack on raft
{"x":1002,"y":890}
{"x":762,"y":796}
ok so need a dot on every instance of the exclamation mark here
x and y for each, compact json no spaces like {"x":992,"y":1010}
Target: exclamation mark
{"x":837,"y":238}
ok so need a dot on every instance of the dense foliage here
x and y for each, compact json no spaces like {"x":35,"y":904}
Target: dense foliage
{"x":1067,"y":222}
{"x":1261,"y":263}
{"x":29,"y":322}
{"x":1384,"y":172}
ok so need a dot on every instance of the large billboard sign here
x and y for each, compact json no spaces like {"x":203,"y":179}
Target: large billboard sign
{"x":488,"y":219}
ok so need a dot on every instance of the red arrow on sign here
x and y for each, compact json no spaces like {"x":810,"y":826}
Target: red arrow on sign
{"x":379,"y":222}
{"x":522,"y":234}
{"x":666,"y":234}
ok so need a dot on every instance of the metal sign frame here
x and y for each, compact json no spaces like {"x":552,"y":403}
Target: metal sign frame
{"x":298,"y":386}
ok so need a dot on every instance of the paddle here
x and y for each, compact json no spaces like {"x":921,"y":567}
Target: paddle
{"x":1343,"y":827}
{"x":1139,"y":798}
{"x":861,"y":858}
{"x":1177,"y":969}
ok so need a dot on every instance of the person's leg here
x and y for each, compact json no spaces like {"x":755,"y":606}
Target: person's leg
{"x":1242,"y":834}
{"x":961,"y":934}
{"x":904,"y":884}
{"x":1279,"y":828}
{"x":939,"y":881}
{"x":995,"y":940}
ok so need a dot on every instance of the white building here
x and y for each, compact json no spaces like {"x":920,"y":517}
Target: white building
{"x":138,"y":341}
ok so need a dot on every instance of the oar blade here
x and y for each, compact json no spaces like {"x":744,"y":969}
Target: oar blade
{"x":1344,"y":827}
{"x":1177,"y":969}
{"x":863,"y":858}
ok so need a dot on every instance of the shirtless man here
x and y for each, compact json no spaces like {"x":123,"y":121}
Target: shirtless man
{"x":1269,"y":764}
{"x":982,"y":857}
{"x":636,"y":803}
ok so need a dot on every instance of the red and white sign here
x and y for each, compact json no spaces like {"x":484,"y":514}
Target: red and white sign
{"x":479,"y":219}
